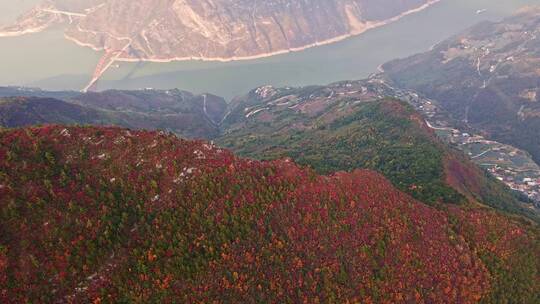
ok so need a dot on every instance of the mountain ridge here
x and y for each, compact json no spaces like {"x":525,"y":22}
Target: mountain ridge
{"x":355,"y":125}
{"x":173,"y":110}
{"x":114,"y":226}
{"x":271,"y":123}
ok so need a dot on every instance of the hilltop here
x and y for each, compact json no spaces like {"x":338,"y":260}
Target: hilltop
{"x":108,"y":215}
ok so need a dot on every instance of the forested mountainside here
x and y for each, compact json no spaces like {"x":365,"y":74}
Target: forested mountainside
{"x":344,"y":126}
{"x":194,"y":116}
{"x":488,"y":77}
{"x":111,"y":215}
{"x":352,"y":125}
{"x":218,"y":29}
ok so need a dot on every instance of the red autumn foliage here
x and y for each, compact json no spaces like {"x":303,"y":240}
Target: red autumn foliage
{"x":105,"y":215}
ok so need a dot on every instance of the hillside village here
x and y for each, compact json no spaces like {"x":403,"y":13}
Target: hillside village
{"x":508,"y":164}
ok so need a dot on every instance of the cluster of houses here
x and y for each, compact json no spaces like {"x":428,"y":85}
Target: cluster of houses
{"x":528,"y":184}
{"x":506,"y":163}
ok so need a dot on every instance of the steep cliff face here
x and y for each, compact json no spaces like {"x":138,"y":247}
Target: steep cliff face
{"x":217,"y":29}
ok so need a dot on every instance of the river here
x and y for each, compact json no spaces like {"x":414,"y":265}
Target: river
{"x":51,"y":62}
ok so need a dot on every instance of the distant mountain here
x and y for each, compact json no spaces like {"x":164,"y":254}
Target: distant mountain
{"x":164,"y":30}
{"x":28,"y":111}
{"x":176,"y":111}
{"x":220,"y":30}
{"x":183,"y":108}
{"x":36,"y":92}
{"x":487,"y":77}
{"x":92,"y":215}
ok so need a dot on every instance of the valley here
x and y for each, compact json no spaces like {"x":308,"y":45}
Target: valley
{"x":481,"y":75}
{"x":216,"y":31}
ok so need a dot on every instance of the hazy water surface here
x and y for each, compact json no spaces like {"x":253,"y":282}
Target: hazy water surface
{"x":49,"y":61}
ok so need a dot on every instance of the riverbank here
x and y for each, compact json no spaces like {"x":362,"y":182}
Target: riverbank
{"x":366,"y":26}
